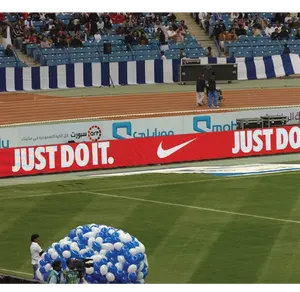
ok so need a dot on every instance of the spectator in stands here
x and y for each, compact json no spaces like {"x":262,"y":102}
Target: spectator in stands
{"x":284,"y":34}
{"x":286,"y":50}
{"x":171,"y":17}
{"x":33,"y":39}
{"x":162,"y":55}
{"x":171,"y":34}
{"x":100,"y":26}
{"x":209,"y":52}
{"x":234,"y":16}
{"x":287,"y":18}
{"x":179,"y":37}
{"x":28,"y":22}
{"x":225,"y":37}
{"x":182,"y":54}
{"x":9,"y":52}
{"x":241,"y":30}
{"x":256,"y":32}
{"x":7,"y":33}
{"x":60,"y":43}
{"x":269,"y":30}
{"x":275,"y":35}
{"x":107,"y":26}
{"x":45,"y":43}
{"x":162,"y":40}
{"x":297,"y":35}
{"x":218,"y":29}
{"x":76,"y":42}
{"x":182,"y":23}
{"x":18,"y":37}
{"x":143,"y":38}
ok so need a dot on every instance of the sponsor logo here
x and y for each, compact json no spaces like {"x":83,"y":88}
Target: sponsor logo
{"x":261,"y":140}
{"x":93,"y":134}
{"x":130,"y":133}
{"x":203,"y":124}
{"x":163,"y":153}
{"x":4,"y":143}
{"x":40,"y":158}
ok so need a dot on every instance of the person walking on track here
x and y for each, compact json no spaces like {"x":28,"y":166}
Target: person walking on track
{"x":212,"y":92}
{"x":200,"y":87}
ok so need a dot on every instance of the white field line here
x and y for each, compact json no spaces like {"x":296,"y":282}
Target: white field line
{"x":191,"y":207}
{"x":15,"y":272}
{"x":149,"y":114}
{"x":206,"y":180}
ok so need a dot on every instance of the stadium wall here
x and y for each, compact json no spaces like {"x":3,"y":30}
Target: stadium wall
{"x":135,"y":72}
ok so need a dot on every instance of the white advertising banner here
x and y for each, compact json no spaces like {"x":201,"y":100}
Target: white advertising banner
{"x":47,"y":134}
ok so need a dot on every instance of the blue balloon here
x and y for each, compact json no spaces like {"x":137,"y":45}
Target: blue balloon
{"x":86,"y":229}
{"x":66,"y":247}
{"x":112,"y":269}
{"x":42,"y":270}
{"x":102,"y":279}
{"x":59,"y":250}
{"x":119,"y":275}
{"x":126,"y":266}
{"x":130,"y":245}
{"x":107,"y":240}
{"x":103,"y":262}
{"x":42,"y":263}
{"x":140,"y":256}
{"x":133,"y":260}
{"x":96,"y":275}
{"x":136,"y":244}
{"x":81,"y":246}
{"x":124,"y":280}
{"x":47,"y":258}
{"x":101,"y":234}
{"x":80,"y":236}
{"x":75,"y":254}
{"x":46,"y":276}
{"x":94,"y":282}
{"x":132,"y":277}
{"x":72,"y":234}
{"x":89,"y":278}
{"x":96,"y":266}
{"x":128,"y":256}
{"x":96,"y":246}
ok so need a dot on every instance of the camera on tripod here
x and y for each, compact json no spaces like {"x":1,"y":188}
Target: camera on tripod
{"x":79,"y":266}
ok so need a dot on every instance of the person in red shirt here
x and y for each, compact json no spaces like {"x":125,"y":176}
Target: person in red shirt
{"x":33,"y":39}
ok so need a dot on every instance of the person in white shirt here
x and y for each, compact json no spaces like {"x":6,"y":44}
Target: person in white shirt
{"x":36,"y":253}
{"x":162,"y":55}
{"x":269,"y":30}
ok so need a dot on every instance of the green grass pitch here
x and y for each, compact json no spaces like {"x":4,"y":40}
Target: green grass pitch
{"x":196,"y":228}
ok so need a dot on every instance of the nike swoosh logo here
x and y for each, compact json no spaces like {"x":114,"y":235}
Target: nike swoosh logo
{"x":162,"y":153}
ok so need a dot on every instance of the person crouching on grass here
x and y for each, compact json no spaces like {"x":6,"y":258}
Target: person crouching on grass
{"x":36,"y":253}
{"x":200,"y":87}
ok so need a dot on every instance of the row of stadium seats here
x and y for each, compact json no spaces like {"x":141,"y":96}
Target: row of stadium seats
{"x":6,"y":61}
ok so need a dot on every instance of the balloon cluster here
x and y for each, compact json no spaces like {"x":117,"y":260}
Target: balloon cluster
{"x":117,"y":256}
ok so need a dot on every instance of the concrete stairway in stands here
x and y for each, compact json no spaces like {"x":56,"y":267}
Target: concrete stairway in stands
{"x":26,"y":59}
{"x":198,"y":33}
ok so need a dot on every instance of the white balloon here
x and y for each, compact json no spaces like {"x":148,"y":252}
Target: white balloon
{"x":118,"y":246}
{"x":99,"y":240}
{"x":111,"y":231}
{"x":103,"y":252}
{"x":78,"y":231}
{"x":141,"y":266}
{"x":76,"y":238}
{"x":140,"y":276}
{"x":66,"y":254}
{"x":51,"y":251}
{"x":119,"y":266}
{"x":89,"y":271}
{"x":132,"y":269}
{"x":133,"y":251}
{"x":48,"y":267}
{"x":125,"y":237}
{"x":75,"y":247}
{"x":90,"y":241}
{"x":103,"y":270}
{"x":82,"y":251}
{"x":39,"y":275}
{"x":110,"y":277}
{"x":142,"y":281}
{"x":108,"y":246}
{"x":121,"y":259}
{"x":54,"y":243}
{"x":96,"y":229}
{"x":109,"y":264}
{"x":54,"y":255}
{"x":146,"y":260}
{"x":142,"y":248}
{"x":88,"y":234}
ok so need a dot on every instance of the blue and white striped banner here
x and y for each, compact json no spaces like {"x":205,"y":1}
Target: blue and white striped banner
{"x":136,"y":72}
